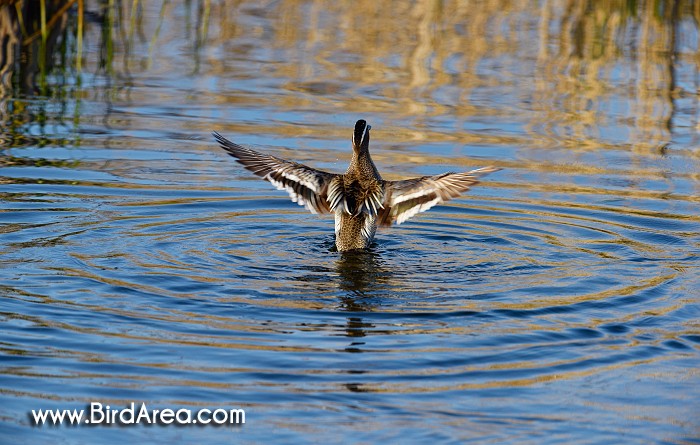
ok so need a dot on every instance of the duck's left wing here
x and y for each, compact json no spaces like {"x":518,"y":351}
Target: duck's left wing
{"x":404,"y":199}
{"x":305,"y":185}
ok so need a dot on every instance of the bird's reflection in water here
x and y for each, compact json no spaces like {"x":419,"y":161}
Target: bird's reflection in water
{"x":362,"y":275}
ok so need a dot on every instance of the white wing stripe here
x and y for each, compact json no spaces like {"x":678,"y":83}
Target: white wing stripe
{"x":293,"y":194}
{"x":429,"y":188}
{"x":409,"y":197}
{"x":417,"y":209}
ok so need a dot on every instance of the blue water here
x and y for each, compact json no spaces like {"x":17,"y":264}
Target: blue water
{"x":556,"y":302}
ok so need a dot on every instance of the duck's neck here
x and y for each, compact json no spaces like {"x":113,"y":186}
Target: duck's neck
{"x":362,"y":163}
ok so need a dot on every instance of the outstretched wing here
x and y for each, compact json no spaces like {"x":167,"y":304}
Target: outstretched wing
{"x":305,"y":185}
{"x":404,"y":199}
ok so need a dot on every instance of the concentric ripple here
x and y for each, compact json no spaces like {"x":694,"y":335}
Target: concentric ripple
{"x":556,"y":302}
{"x":217,"y":297}
{"x":234,"y":295}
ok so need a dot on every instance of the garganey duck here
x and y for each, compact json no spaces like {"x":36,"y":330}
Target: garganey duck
{"x":360,"y":199}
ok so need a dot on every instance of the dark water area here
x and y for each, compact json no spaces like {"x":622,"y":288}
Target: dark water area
{"x":556,"y":302}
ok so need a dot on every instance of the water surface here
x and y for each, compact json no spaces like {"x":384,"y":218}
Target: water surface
{"x":557,"y":302}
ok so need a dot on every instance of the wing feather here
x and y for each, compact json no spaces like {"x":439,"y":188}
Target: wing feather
{"x":404,"y":199}
{"x":306,"y":186}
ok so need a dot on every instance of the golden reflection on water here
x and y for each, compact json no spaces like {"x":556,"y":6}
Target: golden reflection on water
{"x":423,"y":60}
{"x":583,"y":74}
{"x":575,"y":79}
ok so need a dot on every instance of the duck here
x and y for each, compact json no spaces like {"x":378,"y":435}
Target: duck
{"x":359,"y":198}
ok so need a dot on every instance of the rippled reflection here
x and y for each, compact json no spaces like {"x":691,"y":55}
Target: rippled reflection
{"x":556,"y":301}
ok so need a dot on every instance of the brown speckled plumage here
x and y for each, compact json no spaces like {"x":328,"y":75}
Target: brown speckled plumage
{"x":360,"y":198}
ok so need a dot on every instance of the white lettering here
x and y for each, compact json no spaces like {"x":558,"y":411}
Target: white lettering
{"x":201,"y":418}
{"x":96,"y":408}
{"x":222,"y":411}
{"x":188,"y":416}
{"x":40,"y":417}
{"x":126,"y":416}
{"x":143,"y":416}
{"x":237,"y":414}
{"x":166,"y":416}
{"x":129,"y":415}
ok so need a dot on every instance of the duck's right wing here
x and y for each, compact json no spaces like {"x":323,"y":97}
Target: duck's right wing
{"x":305,"y":185}
{"x":404,"y":199}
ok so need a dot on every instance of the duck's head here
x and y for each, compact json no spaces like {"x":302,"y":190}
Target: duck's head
{"x":360,"y":138}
